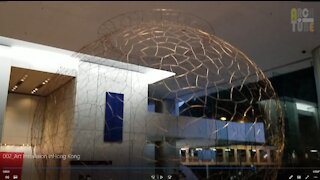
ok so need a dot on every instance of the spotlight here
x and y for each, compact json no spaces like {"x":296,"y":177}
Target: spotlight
{"x":15,"y":87}
{"x":223,"y":118}
{"x":214,"y":149}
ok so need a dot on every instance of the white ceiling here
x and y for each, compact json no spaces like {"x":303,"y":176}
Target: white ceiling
{"x":262,"y":30}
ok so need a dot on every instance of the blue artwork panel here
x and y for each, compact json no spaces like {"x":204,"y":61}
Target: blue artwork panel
{"x":259,"y":133}
{"x":222,"y":130}
{"x":250,"y":131}
{"x":236,"y":131}
{"x":113,"y":128}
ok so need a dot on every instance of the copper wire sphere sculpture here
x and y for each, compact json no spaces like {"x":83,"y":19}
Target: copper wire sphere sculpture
{"x":212,"y":78}
{"x":204,"y":65}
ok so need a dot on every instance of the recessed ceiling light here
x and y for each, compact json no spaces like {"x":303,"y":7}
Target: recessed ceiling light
{"x":19,"y":82}
{"x":40,"y":86}
{"x":14,"y":88}
{"x":223,"y":118}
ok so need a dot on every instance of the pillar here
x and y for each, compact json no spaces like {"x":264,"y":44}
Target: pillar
{"x":166,"y":155}
{"x":236,"y":158}
{"x":5,"y":70}
{"x":316,"y":65}
{"x":316,"y":68}
{"x":248,"y":156}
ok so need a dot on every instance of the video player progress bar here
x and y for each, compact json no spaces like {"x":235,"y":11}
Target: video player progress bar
{"x":133,"y":168}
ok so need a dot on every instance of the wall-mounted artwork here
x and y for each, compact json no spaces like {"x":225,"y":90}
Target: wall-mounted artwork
{"x":113,"y":127}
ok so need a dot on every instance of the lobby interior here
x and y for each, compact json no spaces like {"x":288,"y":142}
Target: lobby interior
{"x":159,"y":90}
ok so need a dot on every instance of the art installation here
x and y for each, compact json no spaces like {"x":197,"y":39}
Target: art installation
{"x":214,"y":91}
{"x":114,"y":117}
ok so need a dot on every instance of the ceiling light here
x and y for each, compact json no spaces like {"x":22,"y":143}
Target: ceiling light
{"x":14,"y":88}
{"x":305,"y":107}
{"x":46,"y":81}
{"x":19,"y":82}
{"x":313,"y":150}
{"x":24,"y":77}
{"x":253,"y":150}
{"x":227,"y":149}
{"x":223,"y":118}
{"x":34,"y":91}
{"x":40,"y":86}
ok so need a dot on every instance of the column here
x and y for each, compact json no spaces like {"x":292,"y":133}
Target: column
{"x":316,"y":65}
{"x":187,"y":155}
{"x":316,"y":68}
{"x":248,"y":156}
{"x":258,"y":155}
{"x":166,"y":155}
{"x":5,"y":70}
{"x":236,"y":158}
{"x":224,"y":154}
{"x":269,"y":156}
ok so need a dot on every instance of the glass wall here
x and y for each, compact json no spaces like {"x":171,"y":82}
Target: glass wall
{"x":297,"y":91}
